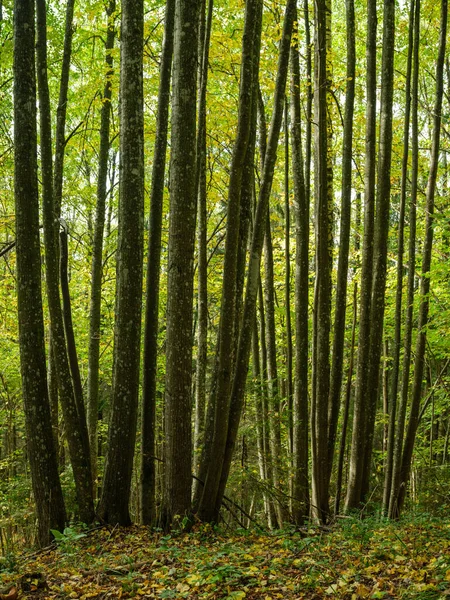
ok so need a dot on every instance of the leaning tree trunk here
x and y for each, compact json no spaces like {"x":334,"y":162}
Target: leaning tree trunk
{"x":243,"y":351}
{"x":40,"y":444}
{"x":183,"y":205}
{"x":227,"y":327}
{"x":73,"y":408}
{"x":148,"y":470}
{"x":113,"y":507}
{"x":426,"y":265}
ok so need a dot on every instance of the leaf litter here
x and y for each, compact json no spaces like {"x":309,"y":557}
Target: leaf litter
{"x":351,"y":560}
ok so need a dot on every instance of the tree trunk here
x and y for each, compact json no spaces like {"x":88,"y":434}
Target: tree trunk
{"x":426,"y":264}
{"x":300,"y":485}
{"x":360,"y":409}
{"x":272,"y":369}
{"x":97,"y":249}
{"x":345,"y":416}
{"x":40,"y":443}
{"x":287,"y":281}
{"x":183,"y":203}
{"x":61,"y":111}
{"x":147,"y":482}
{"x":392,"y":407}
{"x":344,"y":240}
{"x":323,"y":276}
{"x":202,"y":267}
{"x":227,"y":327}
{"x":113,"y":506}
{"x":73,"y":410}
{"x":243,"y":352}
{"x":407,"y":336}
{"x":381,"y":234}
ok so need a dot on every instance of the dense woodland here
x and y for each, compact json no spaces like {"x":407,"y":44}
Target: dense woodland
{"x":224,"y":262}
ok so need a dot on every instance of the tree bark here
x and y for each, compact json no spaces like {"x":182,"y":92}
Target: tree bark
{"x":407,"y":335}
{"x":220,"y":397}
{"x":40,"y":443}
{"x":202,"y":267}
{"x":360,"y":409}
{"x":392,"y":407}
{"x":426,"y":264}
{"x":183,"y":203}
{"x":381,"y":234}
{"x":73,"y":411}
{"x":300,"y":487}
{"x":148,"y":471}
{"x":97,"y":249}
{"x":344,"y":240}
{"x":243,"y":352}
{"x":113,"y":506}
{"x":322,"y":313}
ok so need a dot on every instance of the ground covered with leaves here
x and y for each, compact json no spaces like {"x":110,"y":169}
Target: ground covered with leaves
{"x":351,"y":560}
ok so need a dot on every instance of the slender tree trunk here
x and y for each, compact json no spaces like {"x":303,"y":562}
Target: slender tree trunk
{"x":323,"y":275}
{"x":407,"y":336}
{"x":202,"y":267}
{"x":381,"y":234}
{"x":113,"y":506}
{"x":243,"y":352}
{"x":227,"y":326}
{"x":392,"y":408}
{"x":73,"y":411}
{"x":272,"y":517}
{"x":287,"y":281}
{"x":345,"y":416}
{"x":344,"y":240}
{"x":61,"y":111}
{"x":300,"y":486}
{"x":97,"y":249}
{"x":360,"y":409}
{"x":272,"y":369}
{"x":426,"y":264}
{"x":40,"y":443}
{"x":68,"y":322}
{"x":183,"y":203}
{"x":148,"y":471}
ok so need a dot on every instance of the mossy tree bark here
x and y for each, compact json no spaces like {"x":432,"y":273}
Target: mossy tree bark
{"x":72,"y":405}
{"x":220,"y":396}
{"x":419,"y":362}
{"x":360,"y":409}
{"x":147,"y":477}
{"x":113,"y":506}
{"x":40,"y":442}
{"x":97,"y":248}
{"x":183,"y":206}
{"x":300,"y":485}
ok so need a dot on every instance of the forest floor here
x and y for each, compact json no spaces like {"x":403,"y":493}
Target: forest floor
{"x":353,"y":559}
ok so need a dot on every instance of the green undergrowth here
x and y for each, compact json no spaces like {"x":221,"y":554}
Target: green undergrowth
{"x":352,"y":559}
